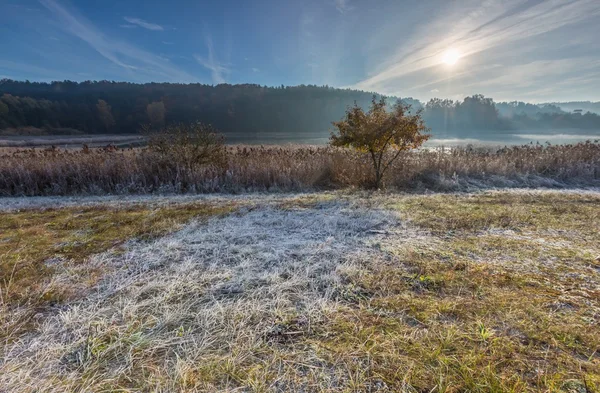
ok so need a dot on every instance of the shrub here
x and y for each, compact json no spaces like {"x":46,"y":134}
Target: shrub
{"x":189,"y":145}
{"x":377,"y":132}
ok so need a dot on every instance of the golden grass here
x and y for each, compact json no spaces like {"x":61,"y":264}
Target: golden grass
{"x":293,"y":168}
{"x":481,"y":312}
{"x":502,"y":294}
{"x":29,"y":239}
{"x":516,"y":211}
{"x":35,"y":244}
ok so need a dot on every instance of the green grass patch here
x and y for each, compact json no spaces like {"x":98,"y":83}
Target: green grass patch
{"x":505,"y":300}
{"x":446,"y":213}
{"x":31,"y":240}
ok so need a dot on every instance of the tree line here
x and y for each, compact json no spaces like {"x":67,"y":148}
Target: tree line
{"x":98,"y":107}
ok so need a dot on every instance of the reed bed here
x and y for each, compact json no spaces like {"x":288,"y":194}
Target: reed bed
{"x":110,"y":170}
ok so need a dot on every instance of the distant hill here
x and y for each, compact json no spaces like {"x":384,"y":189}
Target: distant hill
{"x":117,"y":107}
{"x":249,"y":111}
{"x":585,"y":106}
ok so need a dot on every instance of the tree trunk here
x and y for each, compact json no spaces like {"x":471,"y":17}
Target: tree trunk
{"x":377,"y":167}
{"x":378,"y":176}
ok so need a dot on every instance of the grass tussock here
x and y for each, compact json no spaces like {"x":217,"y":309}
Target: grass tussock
{"x":390,"y":294}
{"x":293,"y":168}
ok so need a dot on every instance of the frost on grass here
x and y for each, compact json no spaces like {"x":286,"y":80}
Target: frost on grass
{"x":201,"y":304}
{"x":9,"y":204}
{"x":477,"y":292}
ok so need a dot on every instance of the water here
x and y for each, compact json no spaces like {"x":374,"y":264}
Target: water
{"x":520,"y":137}
{"x":70,"y":141}
{"x":478,"y":138}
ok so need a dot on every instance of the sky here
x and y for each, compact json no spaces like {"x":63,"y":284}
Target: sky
{"x":527,"y":50}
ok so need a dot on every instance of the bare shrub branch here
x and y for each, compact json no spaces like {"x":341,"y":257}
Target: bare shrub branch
{"x":191,"y":145}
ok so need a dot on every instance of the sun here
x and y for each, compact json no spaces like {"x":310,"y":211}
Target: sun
{"x":450,"y":57}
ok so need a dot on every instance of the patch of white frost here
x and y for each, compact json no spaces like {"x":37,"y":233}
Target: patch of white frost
{"x":206,"y":289}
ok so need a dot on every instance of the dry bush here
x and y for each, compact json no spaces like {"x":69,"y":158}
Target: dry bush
{"x":189,"y":145}
{"x":292,"y":168}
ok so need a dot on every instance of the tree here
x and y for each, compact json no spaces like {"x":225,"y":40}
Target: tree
{"x":440,"y":114}
{"x":477,"y":112}
{"x":105,"y":114}
{"x":190,"y":145}
{"x":382,"y":134}
{"x":3,"y":109}
{"x":248,"y":110}
{"x":156,"y":113}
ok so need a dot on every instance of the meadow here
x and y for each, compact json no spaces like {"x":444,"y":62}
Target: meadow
{"x":170,"y":268}
{"x":112,"y":170}
{"x":495,"y":291}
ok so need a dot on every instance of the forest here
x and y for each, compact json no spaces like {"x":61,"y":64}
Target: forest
{"x":105,"y":107}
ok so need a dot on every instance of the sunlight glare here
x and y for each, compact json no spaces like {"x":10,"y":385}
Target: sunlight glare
{"x":450,"y":57}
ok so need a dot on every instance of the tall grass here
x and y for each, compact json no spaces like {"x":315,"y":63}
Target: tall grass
{"x":293,"y":168}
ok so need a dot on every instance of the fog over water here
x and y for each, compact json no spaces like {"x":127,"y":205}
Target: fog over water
{"x":512,"y":137}
{"x":483,"y":138}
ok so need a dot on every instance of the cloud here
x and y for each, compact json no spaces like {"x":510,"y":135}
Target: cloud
{"x":144,"y":24}
{"x":434,"y":91}
{"x":572,"y":77}
{"x":211,"y":63}
{"x":118,"y":52}
{"x":125,"y":26}
{"x":472,"y":28}
{"x":20,"y":6}
{"x":342,"y":5}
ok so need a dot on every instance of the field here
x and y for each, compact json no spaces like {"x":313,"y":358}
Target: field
{"x":339,"y":291}
{"x":293,"y":168}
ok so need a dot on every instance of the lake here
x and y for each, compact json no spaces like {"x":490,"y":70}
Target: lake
{"x":521,"y":137}
{"x":512,"y":137}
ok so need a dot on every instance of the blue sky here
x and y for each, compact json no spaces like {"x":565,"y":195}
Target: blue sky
{"x":529,"y":50}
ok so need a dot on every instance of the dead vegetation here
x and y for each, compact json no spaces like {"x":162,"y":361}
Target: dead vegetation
{"x":491,"y":292}
{"x":37,"y":245}
{"x":294,"y":168}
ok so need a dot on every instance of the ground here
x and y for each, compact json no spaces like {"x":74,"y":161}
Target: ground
{"x":327,"y":292}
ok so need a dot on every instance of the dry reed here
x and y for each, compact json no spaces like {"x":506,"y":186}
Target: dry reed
{"x":29,"y":172}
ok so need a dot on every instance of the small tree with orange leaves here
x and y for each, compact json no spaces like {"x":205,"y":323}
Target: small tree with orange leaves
{"x":381,"y":133}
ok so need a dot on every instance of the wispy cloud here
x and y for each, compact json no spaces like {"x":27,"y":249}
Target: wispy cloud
{"x":528,"y":83}
{"x":142,"y":23}
{"x":122,"y":54}
{"x":342,"y":5}
{"x":210,"y":62}
{"x":473,"y":28}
